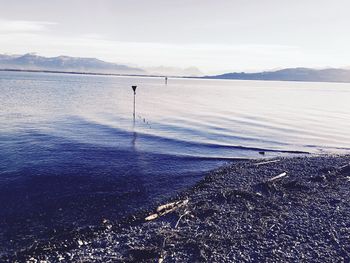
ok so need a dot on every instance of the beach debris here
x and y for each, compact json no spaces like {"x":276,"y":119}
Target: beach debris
{"x":330,"y":173}
{"x":345,"y":169}
{"x":178,"y":221}
{"x":165,"y":209}
{"x":162,"y":254}
{"x":171,"y":205}
{"x":268,"y":187}
{"x":344,"y":166}
{"x":267,"y":162}
{"x":151,"y":217}
{"x":284,"y":174}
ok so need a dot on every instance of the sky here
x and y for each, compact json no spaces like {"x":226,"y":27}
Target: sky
{"x":214,"y":36}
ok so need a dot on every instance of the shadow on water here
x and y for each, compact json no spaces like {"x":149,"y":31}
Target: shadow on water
{"x":50,"y":185}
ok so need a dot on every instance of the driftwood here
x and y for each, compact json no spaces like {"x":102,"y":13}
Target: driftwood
{"x":277,"y":177}
{"x":267,"y":162}
{"x":151,"y":217}
{"x":166,"y":206}
{"x":165,"y":209}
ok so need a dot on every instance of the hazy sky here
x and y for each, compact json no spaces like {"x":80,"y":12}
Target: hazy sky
{"x":215,"y":36}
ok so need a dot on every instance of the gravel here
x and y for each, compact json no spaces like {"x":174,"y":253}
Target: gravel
{"x":242,"y":212}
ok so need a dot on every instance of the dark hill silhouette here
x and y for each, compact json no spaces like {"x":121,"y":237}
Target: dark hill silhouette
{"x":292,"y":74}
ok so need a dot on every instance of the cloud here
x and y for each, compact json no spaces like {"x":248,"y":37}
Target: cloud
{"x":23,"y":26}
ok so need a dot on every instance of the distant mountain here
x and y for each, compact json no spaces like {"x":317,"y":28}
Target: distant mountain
{"x":292,"y":74}
{"x":64,"y":63}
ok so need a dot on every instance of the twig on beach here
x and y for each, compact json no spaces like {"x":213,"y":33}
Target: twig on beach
{"x":277,"y":177}
{"x":345,"y":168}
{"x":267,"y":162}
{"x":178,"y":221}
{"x":162,"y":254}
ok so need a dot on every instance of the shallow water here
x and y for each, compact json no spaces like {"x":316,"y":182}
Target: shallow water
{"x":70,"y":153}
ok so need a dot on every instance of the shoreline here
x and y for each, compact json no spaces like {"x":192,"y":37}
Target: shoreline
{"x":163,"y":76}
{"x":243,"y":211}
{"x":88,"y":73}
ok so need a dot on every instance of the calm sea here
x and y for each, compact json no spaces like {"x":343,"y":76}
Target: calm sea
{"x":70,"y":153}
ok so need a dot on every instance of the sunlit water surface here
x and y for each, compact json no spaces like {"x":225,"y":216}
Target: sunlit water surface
{"x":71,"y":155}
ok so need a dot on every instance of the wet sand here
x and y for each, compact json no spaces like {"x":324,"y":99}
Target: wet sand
{"x":283,"y":210}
